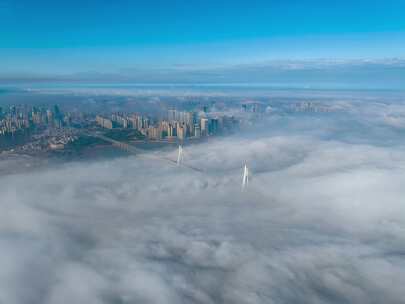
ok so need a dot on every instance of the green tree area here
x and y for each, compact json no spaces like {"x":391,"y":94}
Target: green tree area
{"x":124,"y":134}
{"x":84,"y":142}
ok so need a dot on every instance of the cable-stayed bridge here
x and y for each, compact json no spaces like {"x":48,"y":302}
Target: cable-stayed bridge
{"x":144,"y":153}
{"x":179,"y":162}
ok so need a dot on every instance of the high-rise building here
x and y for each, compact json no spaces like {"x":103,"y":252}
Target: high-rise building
{"x":49,"y":116}
{"x":145,"y":122}
{"x":204,"y":126}
{"x":164,"y":128}
{"x":132,"y":121}
{"x":153,"y":133}
{"x":214,"y":126}
{"x":197,"y":130}
{"x":189,"y":118}
{"x":171,"y":115}
{"x":104,"y":122}
{"x":171,"y":131}
{"x":181,"y":132}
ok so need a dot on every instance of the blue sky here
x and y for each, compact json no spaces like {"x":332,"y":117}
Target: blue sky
{"x":62,"y":37}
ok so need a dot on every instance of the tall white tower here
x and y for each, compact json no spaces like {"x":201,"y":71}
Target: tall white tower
{"x":245,"y":178}
{"x":180,"y":156}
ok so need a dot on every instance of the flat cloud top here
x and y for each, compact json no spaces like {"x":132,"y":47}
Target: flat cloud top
{"x":321,"y":222}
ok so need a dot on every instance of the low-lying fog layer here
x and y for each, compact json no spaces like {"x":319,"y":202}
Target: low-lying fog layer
{"x":322,"y":221}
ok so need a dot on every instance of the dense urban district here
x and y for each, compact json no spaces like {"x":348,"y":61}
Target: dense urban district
{"x":50,"y":129}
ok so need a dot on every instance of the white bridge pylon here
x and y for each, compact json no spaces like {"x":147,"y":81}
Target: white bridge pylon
{"x":180,"y":155}
{"x":181,"y":163}
{"x":245,"y":178}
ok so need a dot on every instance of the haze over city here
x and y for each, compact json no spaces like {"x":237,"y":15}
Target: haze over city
{"x":202,"y":152}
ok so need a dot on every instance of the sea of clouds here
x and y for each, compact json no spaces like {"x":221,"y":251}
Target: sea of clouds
{"x":322,"y":221}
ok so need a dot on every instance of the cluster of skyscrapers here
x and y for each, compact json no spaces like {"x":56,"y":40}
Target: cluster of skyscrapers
{"x":19,"y":119}
{"x":18,"y":122}
{"x":178,"y":124}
